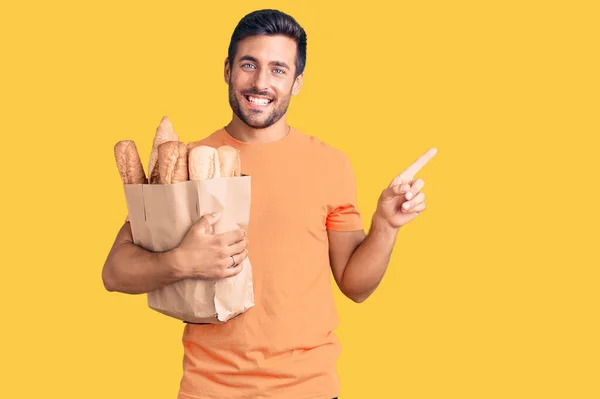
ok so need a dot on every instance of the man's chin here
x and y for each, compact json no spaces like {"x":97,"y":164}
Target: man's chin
{"x":258,"y":126}
{"x":257,"y":123}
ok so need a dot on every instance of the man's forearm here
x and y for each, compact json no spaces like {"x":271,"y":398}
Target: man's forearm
{"x":131,"y":269}
{"x":368,"y":263}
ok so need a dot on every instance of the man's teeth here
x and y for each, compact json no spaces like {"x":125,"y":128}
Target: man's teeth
{"x":258,"y":101}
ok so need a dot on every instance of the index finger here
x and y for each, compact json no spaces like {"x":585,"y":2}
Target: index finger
{"x":234,"y":236}
{"x":416,"y":166}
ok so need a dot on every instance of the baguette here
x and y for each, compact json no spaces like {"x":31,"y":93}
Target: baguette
{"x":192,"y":145}
{"x":203,"y":163}
{"x":172,"y":162}
{"x":129,"y":163}
{"x":155,"y":177}
{"x":229,"y":158}
{"x":164,"y":133}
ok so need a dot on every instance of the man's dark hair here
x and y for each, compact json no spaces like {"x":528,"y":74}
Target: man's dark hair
{"x":270,"y":22}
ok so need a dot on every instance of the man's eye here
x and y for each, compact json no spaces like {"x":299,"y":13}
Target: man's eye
{"x":248,"y":65}
{"x":280,"y":71}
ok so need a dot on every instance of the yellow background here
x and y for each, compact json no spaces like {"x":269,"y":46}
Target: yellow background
{"x":491,"y":293}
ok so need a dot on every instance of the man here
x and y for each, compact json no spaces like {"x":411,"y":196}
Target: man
{"x":304,"y":226}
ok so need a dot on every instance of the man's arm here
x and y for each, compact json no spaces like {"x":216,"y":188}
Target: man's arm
{"x":359,"y":261}
{"x":131,"y":269}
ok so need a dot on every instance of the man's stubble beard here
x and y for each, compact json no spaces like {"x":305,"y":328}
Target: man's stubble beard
{"x":275,"y":115}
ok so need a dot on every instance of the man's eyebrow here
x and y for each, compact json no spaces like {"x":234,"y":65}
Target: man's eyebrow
{"x":276,"y":63}
{"x":281,"y":64}
{"x":248,"y":58}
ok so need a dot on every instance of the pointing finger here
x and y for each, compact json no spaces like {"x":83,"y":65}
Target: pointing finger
{"x":416,"y":166}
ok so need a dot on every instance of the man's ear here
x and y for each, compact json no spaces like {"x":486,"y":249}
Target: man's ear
{"x":227,"y":70}
{"x":298,"y":84}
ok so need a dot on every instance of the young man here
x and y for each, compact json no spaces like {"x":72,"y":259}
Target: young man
{"x":304,"y":226}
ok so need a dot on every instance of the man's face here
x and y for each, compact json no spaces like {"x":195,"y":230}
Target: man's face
{"x":261,"y":79}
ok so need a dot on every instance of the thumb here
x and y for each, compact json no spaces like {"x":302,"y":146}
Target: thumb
{"x":207,"y":221}
{"x":394,"y":190}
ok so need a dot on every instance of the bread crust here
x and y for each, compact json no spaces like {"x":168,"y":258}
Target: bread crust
{"x":164,"y":133}
{"x":172,"y":162}
{"x":129,"y":163}
{"x":203,"y":163}
{"x":229,"y":161}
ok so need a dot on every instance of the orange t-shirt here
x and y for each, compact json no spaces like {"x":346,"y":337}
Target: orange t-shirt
{"x":283,"y":347}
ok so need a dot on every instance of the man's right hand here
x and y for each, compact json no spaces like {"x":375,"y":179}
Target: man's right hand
{"x":204,"y":255}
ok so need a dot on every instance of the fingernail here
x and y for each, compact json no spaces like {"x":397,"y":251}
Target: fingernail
{"x":406,"y":205}
{"x":409,"y":195}
{"x":217,"y":214}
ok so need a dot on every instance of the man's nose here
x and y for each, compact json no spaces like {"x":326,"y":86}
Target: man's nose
{"x":261,"y":79}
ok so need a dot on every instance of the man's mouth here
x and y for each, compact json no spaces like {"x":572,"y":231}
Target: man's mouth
{"x":258,"y":101}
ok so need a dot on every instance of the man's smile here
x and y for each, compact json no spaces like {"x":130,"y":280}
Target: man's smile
{"x":258,"y":101}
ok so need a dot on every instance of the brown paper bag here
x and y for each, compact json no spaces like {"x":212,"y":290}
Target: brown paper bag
{"x":161,"y":215}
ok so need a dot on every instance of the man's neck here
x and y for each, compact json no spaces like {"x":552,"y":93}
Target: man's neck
{"x":242,"y":132}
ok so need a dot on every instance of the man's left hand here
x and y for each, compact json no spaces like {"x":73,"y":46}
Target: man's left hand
{"x":402,"y":201}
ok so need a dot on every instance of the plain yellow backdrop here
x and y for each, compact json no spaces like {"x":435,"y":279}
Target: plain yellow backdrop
{"x":493,"y":292}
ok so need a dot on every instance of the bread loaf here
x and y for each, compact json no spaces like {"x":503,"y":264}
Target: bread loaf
{"x":203,"y":163}
{"x":129,"y":163}
{"x":155,"y":177}
{"x":229,"y":161}
{"x":192,"y":145}
{"x":172,"y":162}
{"x":164,"y":133}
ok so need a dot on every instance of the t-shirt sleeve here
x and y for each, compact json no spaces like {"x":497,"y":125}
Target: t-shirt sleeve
{"x":342,"y":209}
